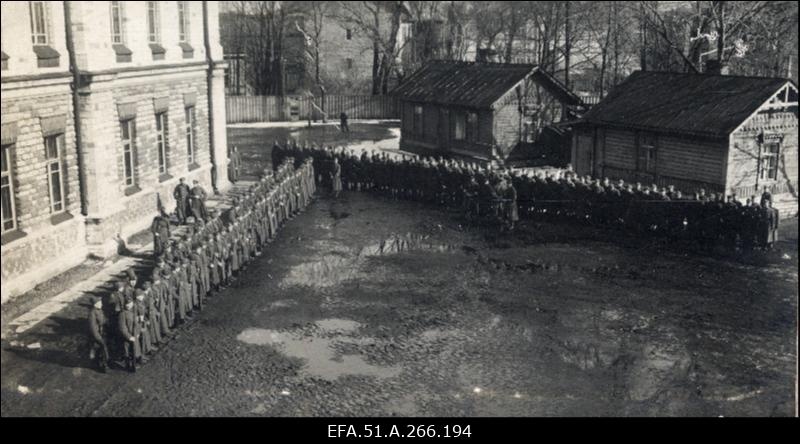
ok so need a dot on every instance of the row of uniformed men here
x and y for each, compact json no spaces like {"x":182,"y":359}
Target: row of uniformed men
{"x":202,"y":262}
{"x":706,"y":219}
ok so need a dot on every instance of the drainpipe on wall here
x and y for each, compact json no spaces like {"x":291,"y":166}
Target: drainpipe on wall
{"x":76,"y":110}
{"x":210,"y":93}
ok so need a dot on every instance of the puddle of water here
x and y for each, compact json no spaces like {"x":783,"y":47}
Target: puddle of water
{"x":321,"y":360}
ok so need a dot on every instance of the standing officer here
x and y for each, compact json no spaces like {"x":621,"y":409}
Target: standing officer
{"x":181,"y":195}
{"x":197,"y":198}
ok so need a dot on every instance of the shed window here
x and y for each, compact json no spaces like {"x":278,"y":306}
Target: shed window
{"x":54,"y":150}
{"x":472,"y":127}
{"x":769,"y":160}
{"x":418,"y":120}
{"x":459,"y":126}
{"x":647,"y":153}
{"x":7,"y":189}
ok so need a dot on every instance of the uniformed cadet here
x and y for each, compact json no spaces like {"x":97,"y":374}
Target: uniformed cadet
{"x":198,"y":197}
{"x":98,"y":351}
{"x":128,"y":328}
{"x":181,"y":195}
{"x":161,"y":234}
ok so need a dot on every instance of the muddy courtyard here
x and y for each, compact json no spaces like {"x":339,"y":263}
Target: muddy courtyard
{"x":365,"y":306}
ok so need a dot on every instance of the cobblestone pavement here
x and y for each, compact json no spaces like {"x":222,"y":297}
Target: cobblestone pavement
{"x":369,"y":307}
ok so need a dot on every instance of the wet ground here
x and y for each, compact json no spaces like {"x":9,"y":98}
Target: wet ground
{"x":372,"y":307}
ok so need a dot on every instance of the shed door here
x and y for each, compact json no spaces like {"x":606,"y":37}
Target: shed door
{"x":584,"y":153}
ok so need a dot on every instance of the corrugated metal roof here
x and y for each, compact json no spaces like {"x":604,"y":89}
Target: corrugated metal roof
{"x":694,"y":104}
{"x":469,"y":84}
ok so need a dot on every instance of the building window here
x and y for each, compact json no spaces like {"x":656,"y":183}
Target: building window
{"x":459,"y":126}
{"x":7,"y":190}
{"x":183,"y":21}
{"x":472,"y":127}
{"x":348,"y":63}
{"x":418,"y":119}
{"x":190,"y":134}
{"x":116,"y":22}
{"x":153,"y":23}
{"x":39,"y":23}
{"x":54,"y":147}
{"x":128,"y":129}
{"x":349,"y":34}
{"x":647,"y":153}
{"x":162,"y":143}
{"x":769,"y":160}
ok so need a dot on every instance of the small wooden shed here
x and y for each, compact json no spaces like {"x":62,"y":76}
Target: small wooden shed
{"x":730,"y":134}
{"x":477,"y":109}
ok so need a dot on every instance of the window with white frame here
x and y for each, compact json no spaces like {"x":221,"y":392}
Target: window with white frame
{"x":54,"y":150}
{"x":116,"y":23}
{"x":770,"y":155}
{"x":183,"y":21}
{"x":162,"y":143}
{"x":153,"y":22}
{"x":190,"y":134}
{"x":7,"y":190}
{"x":40,"y":23}
{"x":128,"y":137}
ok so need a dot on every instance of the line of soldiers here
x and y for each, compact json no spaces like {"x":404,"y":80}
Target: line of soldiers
{"x":488,"y":195}
{"x":143,"y":312}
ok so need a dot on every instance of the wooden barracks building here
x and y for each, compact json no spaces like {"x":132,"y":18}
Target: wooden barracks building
{"x":721,"y":133}
{"x":479,"y":110}
{"x":82,"y":166}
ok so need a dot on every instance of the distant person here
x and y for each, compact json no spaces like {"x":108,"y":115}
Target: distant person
{"x":336,"y":178}
{"x":343,"y":122}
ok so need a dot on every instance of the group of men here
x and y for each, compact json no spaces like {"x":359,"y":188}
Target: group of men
{"x":487,"y":194}
{"x":143,"y":311}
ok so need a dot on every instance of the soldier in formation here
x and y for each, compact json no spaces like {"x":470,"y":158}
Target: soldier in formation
{"x":503,"y":196}
{"x":144,"y":310}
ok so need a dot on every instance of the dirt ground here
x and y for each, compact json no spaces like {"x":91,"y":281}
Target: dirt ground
{"x":365,"y":306}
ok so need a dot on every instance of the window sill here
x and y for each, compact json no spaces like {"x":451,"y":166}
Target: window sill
{"x":193,"y":166}
{"x":13,"y":235}
{"x":46,"y":57}
{"x":188,"y":51}
{"x":158,"y":51}
{"x":124,"y":55}
{"x":164,"y":177}
{"x":60,"y":218}
{"x":132,"y":190}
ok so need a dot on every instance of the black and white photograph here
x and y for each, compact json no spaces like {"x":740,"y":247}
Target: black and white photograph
{"x":427,"y":213}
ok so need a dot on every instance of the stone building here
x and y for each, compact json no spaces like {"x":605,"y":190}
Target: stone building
{"x":720,"y":133}
{"x":83,"y":167}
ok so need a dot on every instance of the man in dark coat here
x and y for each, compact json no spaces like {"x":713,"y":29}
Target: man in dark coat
{"x":97,"y":327}
{"x":129,"y":331}
{"x":343,"y":122}
{"x":160,"y":230}
{"x":181,"y":195}
{"x":197,"y":198}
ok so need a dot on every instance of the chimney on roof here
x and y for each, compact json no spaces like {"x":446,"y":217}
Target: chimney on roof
{"x":486,"y":55}
{"x":713,"y":66}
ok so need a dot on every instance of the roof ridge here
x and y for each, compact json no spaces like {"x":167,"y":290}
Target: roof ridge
{"x":702,"y":74}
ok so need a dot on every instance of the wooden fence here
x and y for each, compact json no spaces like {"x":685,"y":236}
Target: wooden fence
{"x":246,"y":109}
